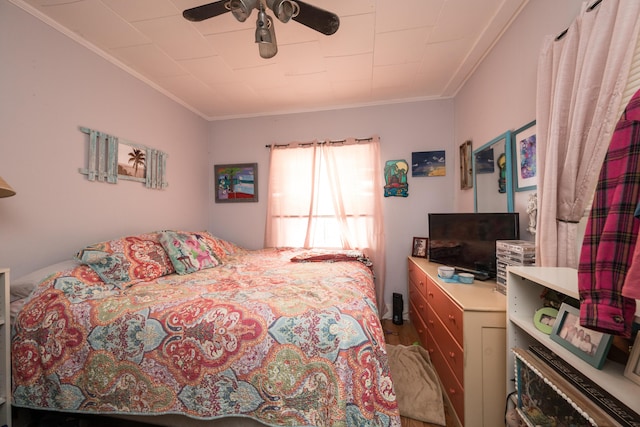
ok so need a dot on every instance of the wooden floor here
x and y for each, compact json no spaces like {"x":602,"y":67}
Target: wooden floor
{"x":406,"y":334}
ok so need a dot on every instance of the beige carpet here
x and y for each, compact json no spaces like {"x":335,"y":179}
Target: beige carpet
{"x":416,"y":384}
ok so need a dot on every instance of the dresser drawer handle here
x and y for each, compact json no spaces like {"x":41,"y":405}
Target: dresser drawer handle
{"x":452,"y":318}
{"x":431,"y":350}
{"x":430,"y":294}
{"x":452,"y":355}
{"x":452,"y":391}
{"x":430,"y":322}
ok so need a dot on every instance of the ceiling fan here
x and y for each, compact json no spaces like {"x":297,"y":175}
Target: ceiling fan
{"x":311,"y":16}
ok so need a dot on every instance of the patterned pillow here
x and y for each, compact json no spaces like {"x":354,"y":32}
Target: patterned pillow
{"x":189,"y":252}
{"x":231,"y":248}
{"x":128,"y":260}
{"x":113,"y":269}
{"x":221,"y":248}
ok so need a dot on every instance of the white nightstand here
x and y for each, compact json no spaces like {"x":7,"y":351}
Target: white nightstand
{"x":5,"y":350}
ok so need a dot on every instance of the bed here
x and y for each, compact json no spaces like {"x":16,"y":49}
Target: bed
{"x":178,"y":327}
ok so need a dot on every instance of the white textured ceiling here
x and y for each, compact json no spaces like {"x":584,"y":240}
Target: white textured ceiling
{"x":384,"y":51}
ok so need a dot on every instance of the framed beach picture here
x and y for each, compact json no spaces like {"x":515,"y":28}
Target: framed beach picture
{"x":589,"y":345}
{"x":525,"y":167}
{"x":236,"y":182}
{"x":428,"y":163}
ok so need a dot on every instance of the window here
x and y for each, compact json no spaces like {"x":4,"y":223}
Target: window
{"x":323,"y":195}
{"x":328,"y":195}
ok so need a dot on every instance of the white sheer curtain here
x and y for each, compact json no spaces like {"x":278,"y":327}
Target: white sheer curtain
{"x":581,"y":78}
{"x":328,"y":195}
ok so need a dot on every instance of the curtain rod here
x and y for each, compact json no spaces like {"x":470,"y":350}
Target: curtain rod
{"x":589,"y":9}
{"x":306,"y":144}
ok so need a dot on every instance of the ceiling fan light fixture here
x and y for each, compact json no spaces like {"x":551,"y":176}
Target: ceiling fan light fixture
{"x":266,"y":36}
{"x":267,"y":50}
{"x":263,"y":35}
{"x":242,"y":9}
{"x":284,"y":9}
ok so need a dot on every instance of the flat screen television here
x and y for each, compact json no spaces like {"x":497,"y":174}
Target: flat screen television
{"x":467,"y":241}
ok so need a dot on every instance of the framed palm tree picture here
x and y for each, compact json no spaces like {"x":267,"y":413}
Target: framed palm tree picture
{"x":132,"y":162}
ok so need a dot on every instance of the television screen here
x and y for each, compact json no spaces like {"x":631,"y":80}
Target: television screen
{"x":467,"y":241}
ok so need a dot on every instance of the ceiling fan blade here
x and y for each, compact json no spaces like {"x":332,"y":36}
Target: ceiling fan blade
{"x":206,"y":11}
{"x":317,"y":19}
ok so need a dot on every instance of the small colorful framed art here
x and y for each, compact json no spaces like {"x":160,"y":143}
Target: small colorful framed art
{"x":525,"y":167}
{"x":236,"y":183}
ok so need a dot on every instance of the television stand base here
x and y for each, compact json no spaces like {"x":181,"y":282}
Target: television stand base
{"x":478,"y":275}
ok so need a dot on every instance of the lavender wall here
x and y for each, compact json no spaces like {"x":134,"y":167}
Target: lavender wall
{"x":51,"y":85}
{"x":403,"y":129}
{"x":501,"y":93}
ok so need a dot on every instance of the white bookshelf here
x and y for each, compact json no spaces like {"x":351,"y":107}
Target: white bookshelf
{"x":5,"y":350}
{"x":524,"y":287}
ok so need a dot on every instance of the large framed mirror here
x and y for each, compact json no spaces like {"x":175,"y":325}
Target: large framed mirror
{"x":493,"y":175}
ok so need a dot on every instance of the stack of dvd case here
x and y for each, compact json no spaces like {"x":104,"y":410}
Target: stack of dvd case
{"x":512,"y":252}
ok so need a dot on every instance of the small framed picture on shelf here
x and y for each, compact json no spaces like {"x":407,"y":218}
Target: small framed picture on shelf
{"x":589,"y":345}
{"x":632,"y":370}
{"x":545,"y":318}
{"x":420,"y":247}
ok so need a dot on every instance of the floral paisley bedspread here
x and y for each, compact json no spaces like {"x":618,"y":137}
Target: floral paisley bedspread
{"x":285,"y":343}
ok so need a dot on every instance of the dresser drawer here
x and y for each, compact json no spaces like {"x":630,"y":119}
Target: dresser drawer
{"x":418,"y":278}
{"x":418,"y":323}
{"x":450,"y":349}
{"x":451,"y":387}
{"x":447,"y":310}
{"x":419,"y":301}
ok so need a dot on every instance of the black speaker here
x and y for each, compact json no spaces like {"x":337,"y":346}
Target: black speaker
{"x":398,"y":307}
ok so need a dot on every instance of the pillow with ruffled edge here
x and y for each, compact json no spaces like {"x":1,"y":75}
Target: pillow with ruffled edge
{"x":189,"y":252}
{"x":127,"y":260}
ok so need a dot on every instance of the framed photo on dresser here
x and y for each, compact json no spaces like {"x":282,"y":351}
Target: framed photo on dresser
{"x":420,"y":247}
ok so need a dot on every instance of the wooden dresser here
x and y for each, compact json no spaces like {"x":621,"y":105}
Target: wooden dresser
{"x":464,"y":329}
